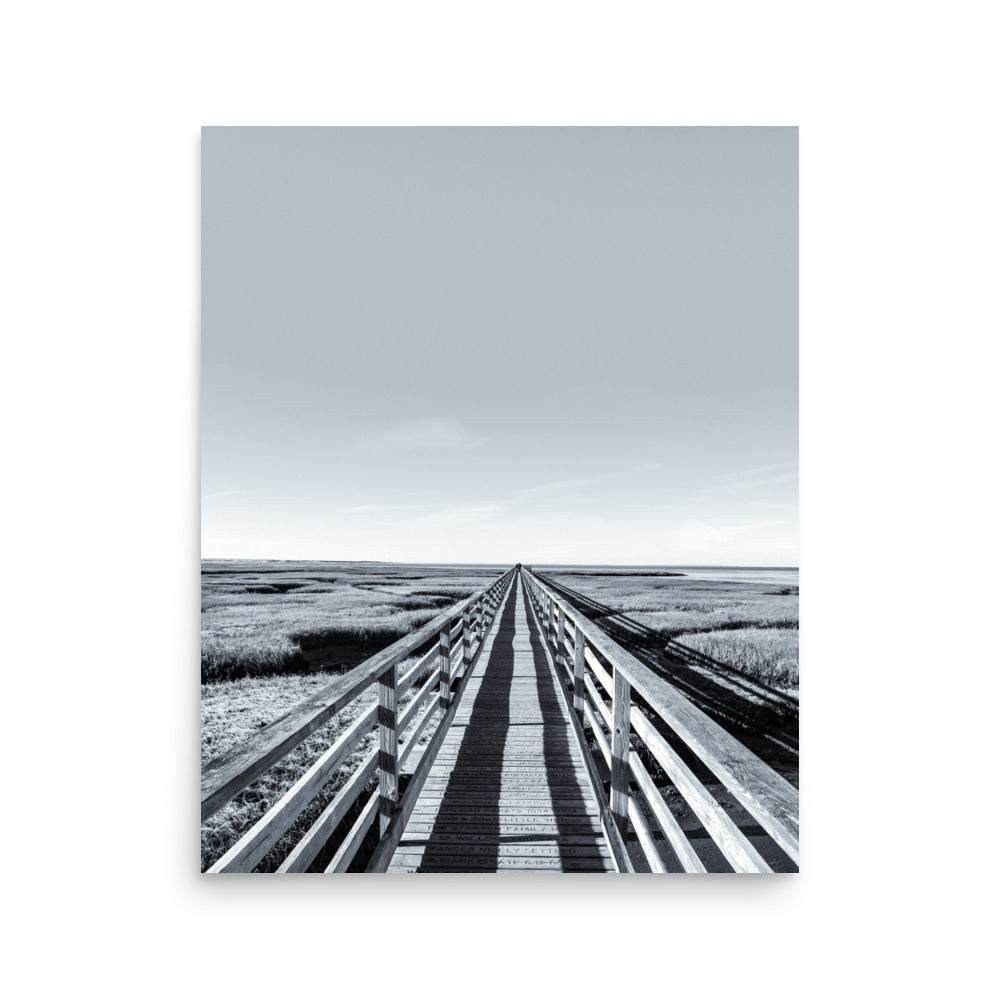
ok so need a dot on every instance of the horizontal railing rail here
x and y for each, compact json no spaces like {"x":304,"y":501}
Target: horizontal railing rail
{"x":460,"y":633}
{"x":602,"y":676}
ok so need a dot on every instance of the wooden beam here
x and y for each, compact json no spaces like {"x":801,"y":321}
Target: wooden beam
{"x":444,"y":668}
{"x":621,"y":705}
{"x":557,"y":643}
{"x":579,"y":667}
{"x":355,"y":836}
{"x":645,"y":835}
{"x":738,"y":851}
{"x":388,"y":748}
{"x":466,"y":640}
{"x":671,"y":829}
{"x":247,"y":852}
{"x":311,"y":843}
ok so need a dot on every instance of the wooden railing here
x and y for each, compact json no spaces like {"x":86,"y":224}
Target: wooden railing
{"x":595,"y":668}
{"x":460,"y":633}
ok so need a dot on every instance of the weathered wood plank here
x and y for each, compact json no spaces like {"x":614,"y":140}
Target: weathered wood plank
{"x":649,"y":848}
{"x":579,"y":667}
{"x":528,"y":827}
{"x":620,"y":706}
{"x":304,"y":852}
{"x":466,"y":640}
{"x":416,"y":862}
{"x":388,"y":748}
{"x":739,"y":852}
{"x":538,"y":782}
{"x":444,"y":668}
{"x":665,"y":819}
{"x":502,"y":806}
{"x":557,"y":641}
{"x":538,"y":849}
{"x":268,"y":830}
{"x":349,"y":846}
{"x":602,"y":741}
{"x":730,"y":840}
{"x":406,"y":716}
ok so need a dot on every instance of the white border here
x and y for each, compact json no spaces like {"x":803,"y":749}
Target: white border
{"x":100,"y":401}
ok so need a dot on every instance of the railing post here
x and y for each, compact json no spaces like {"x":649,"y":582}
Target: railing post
{"x":621,"y":706}
{"x":444,"y":666}
{"x":466,"y":640}
{"x":388,"y":749}
{"x":579,"y":665}
{"x":559,"y":658}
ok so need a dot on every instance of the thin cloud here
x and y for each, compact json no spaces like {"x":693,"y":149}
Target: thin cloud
{"x":455,"y":516}
{"x":750,"y":480}
{"x":222,"y":493}
{"x":543,"y":489}
{"x":426,"y":434}
{"x":752,"y":473}
{"x":366,"y":508}
{"x":554,"y":487}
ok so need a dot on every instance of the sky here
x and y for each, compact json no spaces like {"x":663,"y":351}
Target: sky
{"x":537,"y":345}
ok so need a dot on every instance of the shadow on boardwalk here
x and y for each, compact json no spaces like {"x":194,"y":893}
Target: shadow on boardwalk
{"x":514,"y":795}
{"x":478,"y":766}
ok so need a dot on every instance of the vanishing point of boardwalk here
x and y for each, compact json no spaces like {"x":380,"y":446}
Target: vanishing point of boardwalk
{"x":509,"y":788}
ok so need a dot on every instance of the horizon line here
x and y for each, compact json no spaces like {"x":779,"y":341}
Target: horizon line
{"x":501,"y":562}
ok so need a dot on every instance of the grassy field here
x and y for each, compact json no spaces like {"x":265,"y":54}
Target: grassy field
{"x":748,"y":619}
{"x":263,"y":618}
{"x":233,"y":710}
{"x":275,"y":632}
{"x":765,"y":654}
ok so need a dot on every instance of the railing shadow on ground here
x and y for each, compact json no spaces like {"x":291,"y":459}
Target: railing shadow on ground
{"x":480,"y":763}
{"x":766,"y":721}
{"x":488,"y":725}
{"x":559,"y":743}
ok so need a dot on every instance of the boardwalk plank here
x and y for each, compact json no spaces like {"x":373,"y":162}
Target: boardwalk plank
{"x":509,"y":789}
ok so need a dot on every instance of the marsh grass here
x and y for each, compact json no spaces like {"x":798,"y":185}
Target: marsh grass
{"x":751,"y":626}
{"x":767,"y":655}
{"x":261,"y":618}
{"x":262,"y":625}
{"x":233,"y":710}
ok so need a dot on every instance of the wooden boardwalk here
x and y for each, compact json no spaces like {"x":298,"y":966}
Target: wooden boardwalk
{"x":514,"y":777}
{"x":509,"y":788}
